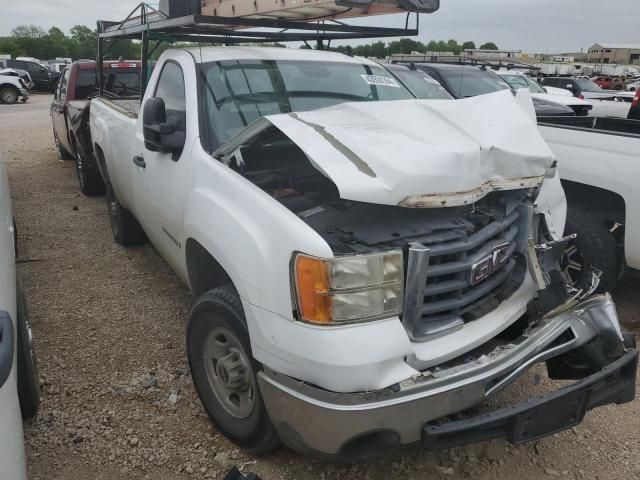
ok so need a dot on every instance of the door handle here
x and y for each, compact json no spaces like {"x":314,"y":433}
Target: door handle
{"x":139,"y":161}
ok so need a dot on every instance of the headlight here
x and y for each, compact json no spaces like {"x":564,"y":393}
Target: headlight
{"x":348,"y":289}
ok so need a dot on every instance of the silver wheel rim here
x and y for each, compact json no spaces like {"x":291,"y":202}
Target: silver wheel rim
{"x":229,"y":372}
{"x":9,"y":97}
{"x":79,"y":168}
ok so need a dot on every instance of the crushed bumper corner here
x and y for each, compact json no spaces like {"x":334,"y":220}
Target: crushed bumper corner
{"x":545,"y":415}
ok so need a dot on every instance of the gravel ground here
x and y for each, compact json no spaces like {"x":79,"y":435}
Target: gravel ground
{"x":117,"y":397}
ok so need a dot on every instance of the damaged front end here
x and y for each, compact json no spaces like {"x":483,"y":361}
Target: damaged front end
{"x":483,"y":297}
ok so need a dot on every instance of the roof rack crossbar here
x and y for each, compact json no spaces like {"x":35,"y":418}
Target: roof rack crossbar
{"x":147,"y":24}
{"x":457,"y":60}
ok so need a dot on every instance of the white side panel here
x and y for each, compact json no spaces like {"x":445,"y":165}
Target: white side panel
{"x":247,"y":231}
{"x":12,"y":456}
{"x":113,"y":132}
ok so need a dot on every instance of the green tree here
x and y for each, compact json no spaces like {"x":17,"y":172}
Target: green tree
{"x":58,"y":43}
{"x":453,"y":46}
{"x":9,"y":46}
{"x":83,"y":43}
{"x":468,"y":45}
{"x":489,"y":46}
{"x":31,"y":39}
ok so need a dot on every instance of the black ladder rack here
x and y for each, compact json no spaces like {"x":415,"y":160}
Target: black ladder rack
{"x":147,"y":24}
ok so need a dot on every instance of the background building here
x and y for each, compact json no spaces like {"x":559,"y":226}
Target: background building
{"x":492,"y":54}
{"x":627,"y":54}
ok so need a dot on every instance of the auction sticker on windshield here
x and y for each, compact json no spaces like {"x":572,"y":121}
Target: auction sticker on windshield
{"x":380,"y":80}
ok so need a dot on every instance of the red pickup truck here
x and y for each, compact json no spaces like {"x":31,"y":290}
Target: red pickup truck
{"x":70,"y":112}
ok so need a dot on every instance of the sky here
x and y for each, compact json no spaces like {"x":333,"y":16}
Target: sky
{"x":535,"y":26}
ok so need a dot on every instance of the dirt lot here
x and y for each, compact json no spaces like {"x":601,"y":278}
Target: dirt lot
{"x":117,"y":397}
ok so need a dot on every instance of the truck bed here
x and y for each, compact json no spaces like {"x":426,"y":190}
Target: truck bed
{"x":603,"y":125}
{"x":127,"y":106}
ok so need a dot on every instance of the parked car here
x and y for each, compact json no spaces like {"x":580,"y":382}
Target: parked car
{"x":634,"y":112}
{"x":606,"y":103}
{"x":291,"y":200}
{"x":19,"y":387}
{"x":23,"y":74}
{"x":13,"y":89}
{"x":415,"y":80}
{"x":70,"y":113}
{"x":44,"y":79}
{"x":517,"y":80}
{"x":609,"y":83}
{"x":464,"y":81}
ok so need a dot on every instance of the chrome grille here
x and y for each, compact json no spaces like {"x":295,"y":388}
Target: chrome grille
{"x":458,"y":280}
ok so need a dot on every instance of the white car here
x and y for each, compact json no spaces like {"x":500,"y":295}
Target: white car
{"x":292,"y":189}
{"x":19,"y":386}
{"x":517,"y":80}
{"x":606,"y":103}
{"x":12,"y":89}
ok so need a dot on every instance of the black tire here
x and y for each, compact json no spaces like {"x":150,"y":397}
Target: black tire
{"x":220,"y":310}
{"x":124,"y":226}
{"x":9,"y":95}
{"x":629,"y":340}
{"x":90,"y":180}
{"x":596,"y":246}
{"x":28,"y":379}
{"x":62,"y":153}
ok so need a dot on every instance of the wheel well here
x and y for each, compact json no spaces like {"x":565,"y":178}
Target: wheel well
{"x":608,"y":203}
{"x":102,"y":165}
{"x":9,"y":85}
{"x":205,"y":273}
{"x":72,"y":140}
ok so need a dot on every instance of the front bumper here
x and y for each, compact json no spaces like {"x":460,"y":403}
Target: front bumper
{"x":350,"y":425}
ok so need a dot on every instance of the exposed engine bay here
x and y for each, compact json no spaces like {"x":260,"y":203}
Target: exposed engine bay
{"x":480,"y":253}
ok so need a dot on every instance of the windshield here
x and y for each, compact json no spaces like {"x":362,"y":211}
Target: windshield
{"x":469,"y":82}
{"x":237,"y":92}
{"x":422,"y":85}
{"x":587,"y":85}
{"x":119,"y":81}
{"x":521,"y":81}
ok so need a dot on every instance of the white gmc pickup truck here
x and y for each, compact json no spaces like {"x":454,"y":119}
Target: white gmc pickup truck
{"x":364,"y":263}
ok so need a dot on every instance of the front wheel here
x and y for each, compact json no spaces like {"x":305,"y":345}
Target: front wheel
{"x":596,"y":246}
{"x":9,"y":95}
{"x":225,"y":373}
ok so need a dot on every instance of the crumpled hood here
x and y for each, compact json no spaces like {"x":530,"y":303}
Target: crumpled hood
{"x":417,"y":153}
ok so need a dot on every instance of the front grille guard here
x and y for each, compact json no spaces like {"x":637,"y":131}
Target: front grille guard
{"x":418,"y":270}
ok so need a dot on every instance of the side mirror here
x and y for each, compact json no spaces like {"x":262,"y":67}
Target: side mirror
{"x":160,"y":135}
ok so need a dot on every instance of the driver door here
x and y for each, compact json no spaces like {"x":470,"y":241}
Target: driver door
{"x":59,"y":110}
{"x":159,"y":178}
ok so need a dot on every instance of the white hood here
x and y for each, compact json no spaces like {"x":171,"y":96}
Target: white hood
{"x":560,"y":92}
{"x":417,"y":153}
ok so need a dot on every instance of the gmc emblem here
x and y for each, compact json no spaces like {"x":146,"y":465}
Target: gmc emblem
{"x":489,"y":265}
